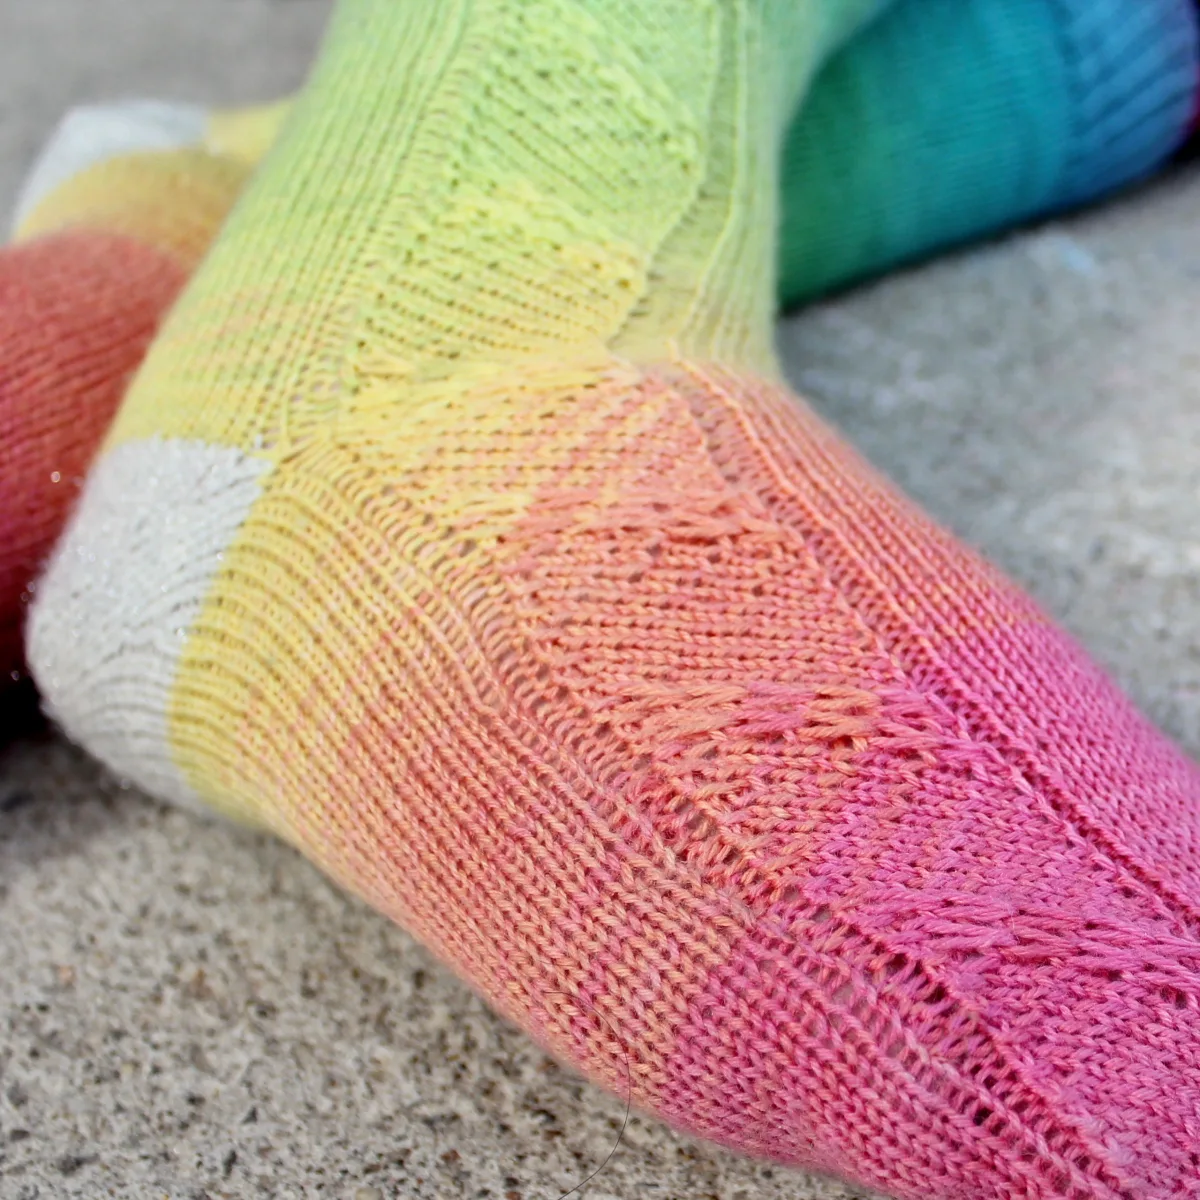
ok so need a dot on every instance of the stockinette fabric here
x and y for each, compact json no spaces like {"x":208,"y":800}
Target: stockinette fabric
{"x":948,"y":120}
{"x":121,"y":205}
{"x":459,"y":529}
{"x":108,"y":228}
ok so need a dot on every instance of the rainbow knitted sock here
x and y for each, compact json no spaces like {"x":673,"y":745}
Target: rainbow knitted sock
{"x":458,"y":529}
{"x":951,"y":119}
{"x":948,"y":120}
{"x":86,"y":162}
{"x":119,"y":208}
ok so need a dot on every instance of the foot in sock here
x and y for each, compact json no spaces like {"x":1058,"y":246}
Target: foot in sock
{"x":458,"y":529}
{"x":115,"y":215}
{"x":948,"y":120}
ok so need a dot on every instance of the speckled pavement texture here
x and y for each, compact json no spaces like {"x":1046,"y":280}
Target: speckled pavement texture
{"x":190,"y":1011}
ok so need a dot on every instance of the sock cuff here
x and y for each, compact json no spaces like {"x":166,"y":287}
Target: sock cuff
{"x":1134,"y":73}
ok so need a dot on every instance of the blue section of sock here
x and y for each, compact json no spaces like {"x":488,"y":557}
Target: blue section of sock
{"x":949,"y":120}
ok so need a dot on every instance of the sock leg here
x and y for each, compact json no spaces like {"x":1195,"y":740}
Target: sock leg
{"x":458,"y":530}
{"x":948,"y":120}
{"x":941,"y":123}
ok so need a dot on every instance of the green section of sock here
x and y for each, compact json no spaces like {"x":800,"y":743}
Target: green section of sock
{"x":947,"y":120}
{"x":491,"y":180}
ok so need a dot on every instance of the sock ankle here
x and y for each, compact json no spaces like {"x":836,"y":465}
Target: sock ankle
{"x":942,"y":122}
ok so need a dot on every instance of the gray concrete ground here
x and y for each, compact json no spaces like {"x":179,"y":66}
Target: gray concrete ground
{"x":190,"y":1011}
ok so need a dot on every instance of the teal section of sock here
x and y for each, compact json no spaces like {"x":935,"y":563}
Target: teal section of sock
{"x":948,"y":120}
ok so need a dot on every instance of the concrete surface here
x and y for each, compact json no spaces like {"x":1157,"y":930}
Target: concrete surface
{"x":190,"y":1011}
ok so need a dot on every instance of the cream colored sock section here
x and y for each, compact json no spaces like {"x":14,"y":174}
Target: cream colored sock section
{"x":122,"y":591}
{"x":89,"y":135}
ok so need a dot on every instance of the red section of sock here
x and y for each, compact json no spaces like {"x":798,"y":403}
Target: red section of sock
{"x":77,"y":312}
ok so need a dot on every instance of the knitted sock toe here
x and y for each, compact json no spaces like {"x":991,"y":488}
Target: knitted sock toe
{"x":77,"y":312}
{"x":948,"y":120}
{"x":459,"y":529}
{"x":114,"y":217}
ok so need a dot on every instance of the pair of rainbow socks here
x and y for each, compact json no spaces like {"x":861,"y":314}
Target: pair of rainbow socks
{"x":459,"y":529}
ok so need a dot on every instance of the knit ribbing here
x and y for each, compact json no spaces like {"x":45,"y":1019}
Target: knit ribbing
{"x":1134,"y":75}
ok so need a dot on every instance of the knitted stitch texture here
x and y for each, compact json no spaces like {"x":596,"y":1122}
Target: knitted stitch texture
{"x":116,"y":213}
{"x":77,"y":312}
{"x":80,"y":300}
{"x":458,"y":529}
{"x":948,"y":120}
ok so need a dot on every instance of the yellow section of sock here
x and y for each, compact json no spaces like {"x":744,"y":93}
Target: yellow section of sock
{"x":487,"y":183}
{"x":246,"y":134}
{"x":172,"y":199}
